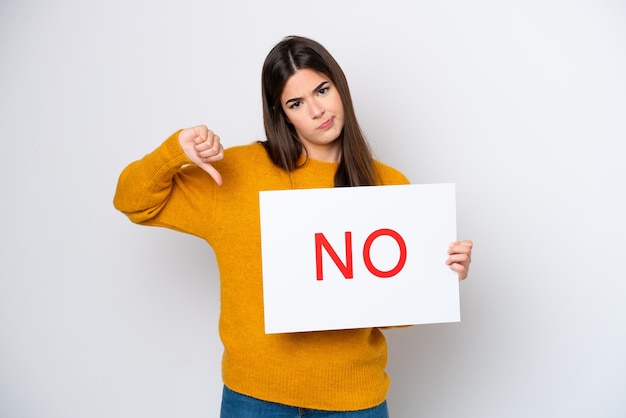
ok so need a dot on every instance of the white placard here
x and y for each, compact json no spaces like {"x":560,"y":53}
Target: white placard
{"x":355,"y":257}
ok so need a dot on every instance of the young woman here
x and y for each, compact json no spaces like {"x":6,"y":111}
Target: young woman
{"x":191,"y":184}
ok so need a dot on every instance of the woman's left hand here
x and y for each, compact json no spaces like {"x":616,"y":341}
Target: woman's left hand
{"x":460,"y":257}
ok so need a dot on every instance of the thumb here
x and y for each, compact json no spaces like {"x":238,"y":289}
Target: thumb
{"x":212,"y":171}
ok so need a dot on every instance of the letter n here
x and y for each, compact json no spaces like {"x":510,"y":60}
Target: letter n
{"x":346,"y":269}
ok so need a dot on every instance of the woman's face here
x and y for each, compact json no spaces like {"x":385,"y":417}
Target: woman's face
{"x":313,"y":106}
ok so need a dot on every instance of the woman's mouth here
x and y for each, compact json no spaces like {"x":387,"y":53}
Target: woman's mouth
{"x":326,"y":124}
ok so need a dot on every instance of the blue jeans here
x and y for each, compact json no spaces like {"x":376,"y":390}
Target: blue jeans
{"x":236,"y":405}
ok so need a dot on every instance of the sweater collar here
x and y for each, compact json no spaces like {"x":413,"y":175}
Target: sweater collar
{"x":321,"y":167}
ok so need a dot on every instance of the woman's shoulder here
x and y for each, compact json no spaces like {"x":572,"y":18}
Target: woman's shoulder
{"x":389,"y":175}
{"x":244,"y":159}
{"x":251,"y":150}
{"x":248,"y":152}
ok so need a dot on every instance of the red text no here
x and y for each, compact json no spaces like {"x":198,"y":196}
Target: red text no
{"x":346,"y":268}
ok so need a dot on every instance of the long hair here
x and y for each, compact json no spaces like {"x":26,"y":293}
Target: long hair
{"x":293,"y":53}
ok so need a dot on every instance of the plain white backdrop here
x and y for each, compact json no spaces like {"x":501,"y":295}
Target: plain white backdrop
{"x":520,"y":103}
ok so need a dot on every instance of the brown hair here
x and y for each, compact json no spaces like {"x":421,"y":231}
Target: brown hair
{"x":356,"y":167}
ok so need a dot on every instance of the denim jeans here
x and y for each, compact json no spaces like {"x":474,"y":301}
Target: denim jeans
{"x":236,"y":405}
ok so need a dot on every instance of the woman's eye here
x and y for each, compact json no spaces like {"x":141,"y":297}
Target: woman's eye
{"x":294,"y":105}
{"x":323,"y":90}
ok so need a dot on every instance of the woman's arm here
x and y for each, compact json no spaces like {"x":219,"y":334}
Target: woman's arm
{"x":165,"y":189}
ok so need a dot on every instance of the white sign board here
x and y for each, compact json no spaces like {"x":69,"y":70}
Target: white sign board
{"x":356,"y":257}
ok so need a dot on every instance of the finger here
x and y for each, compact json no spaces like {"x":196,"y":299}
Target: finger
{"x":458,"y":258}
{"x":211,"y":144}
{"x":206,"y":151}
{"x":466,"y":243}
{"x":202,"y":134}
{"x":461,"y":269}
{"x":211,"y":155}
{"x":464,"y":247}
{"x":206,"y":142}
{"x":213,"y":173}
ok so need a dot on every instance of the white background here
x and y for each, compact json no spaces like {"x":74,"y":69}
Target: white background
{"x":521,"y":104}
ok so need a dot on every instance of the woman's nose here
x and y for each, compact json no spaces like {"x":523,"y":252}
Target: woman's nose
{"x":315,"y":109}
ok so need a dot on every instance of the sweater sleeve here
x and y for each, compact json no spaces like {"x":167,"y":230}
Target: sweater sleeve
{"x":164,"y":188}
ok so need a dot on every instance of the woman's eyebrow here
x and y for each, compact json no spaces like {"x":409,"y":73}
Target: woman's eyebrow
{"x":319,"y":86}
{"x":299,"y":99}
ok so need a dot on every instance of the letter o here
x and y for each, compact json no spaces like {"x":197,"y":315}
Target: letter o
{"x":368,"y":261}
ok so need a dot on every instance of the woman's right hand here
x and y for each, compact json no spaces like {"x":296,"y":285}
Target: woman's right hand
{"x":203,"y":147}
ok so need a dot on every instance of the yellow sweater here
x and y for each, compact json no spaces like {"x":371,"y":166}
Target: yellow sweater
{"x":331,"y":370}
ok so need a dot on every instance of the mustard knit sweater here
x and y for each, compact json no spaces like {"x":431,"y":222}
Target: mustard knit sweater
{"x":332,"y":370}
